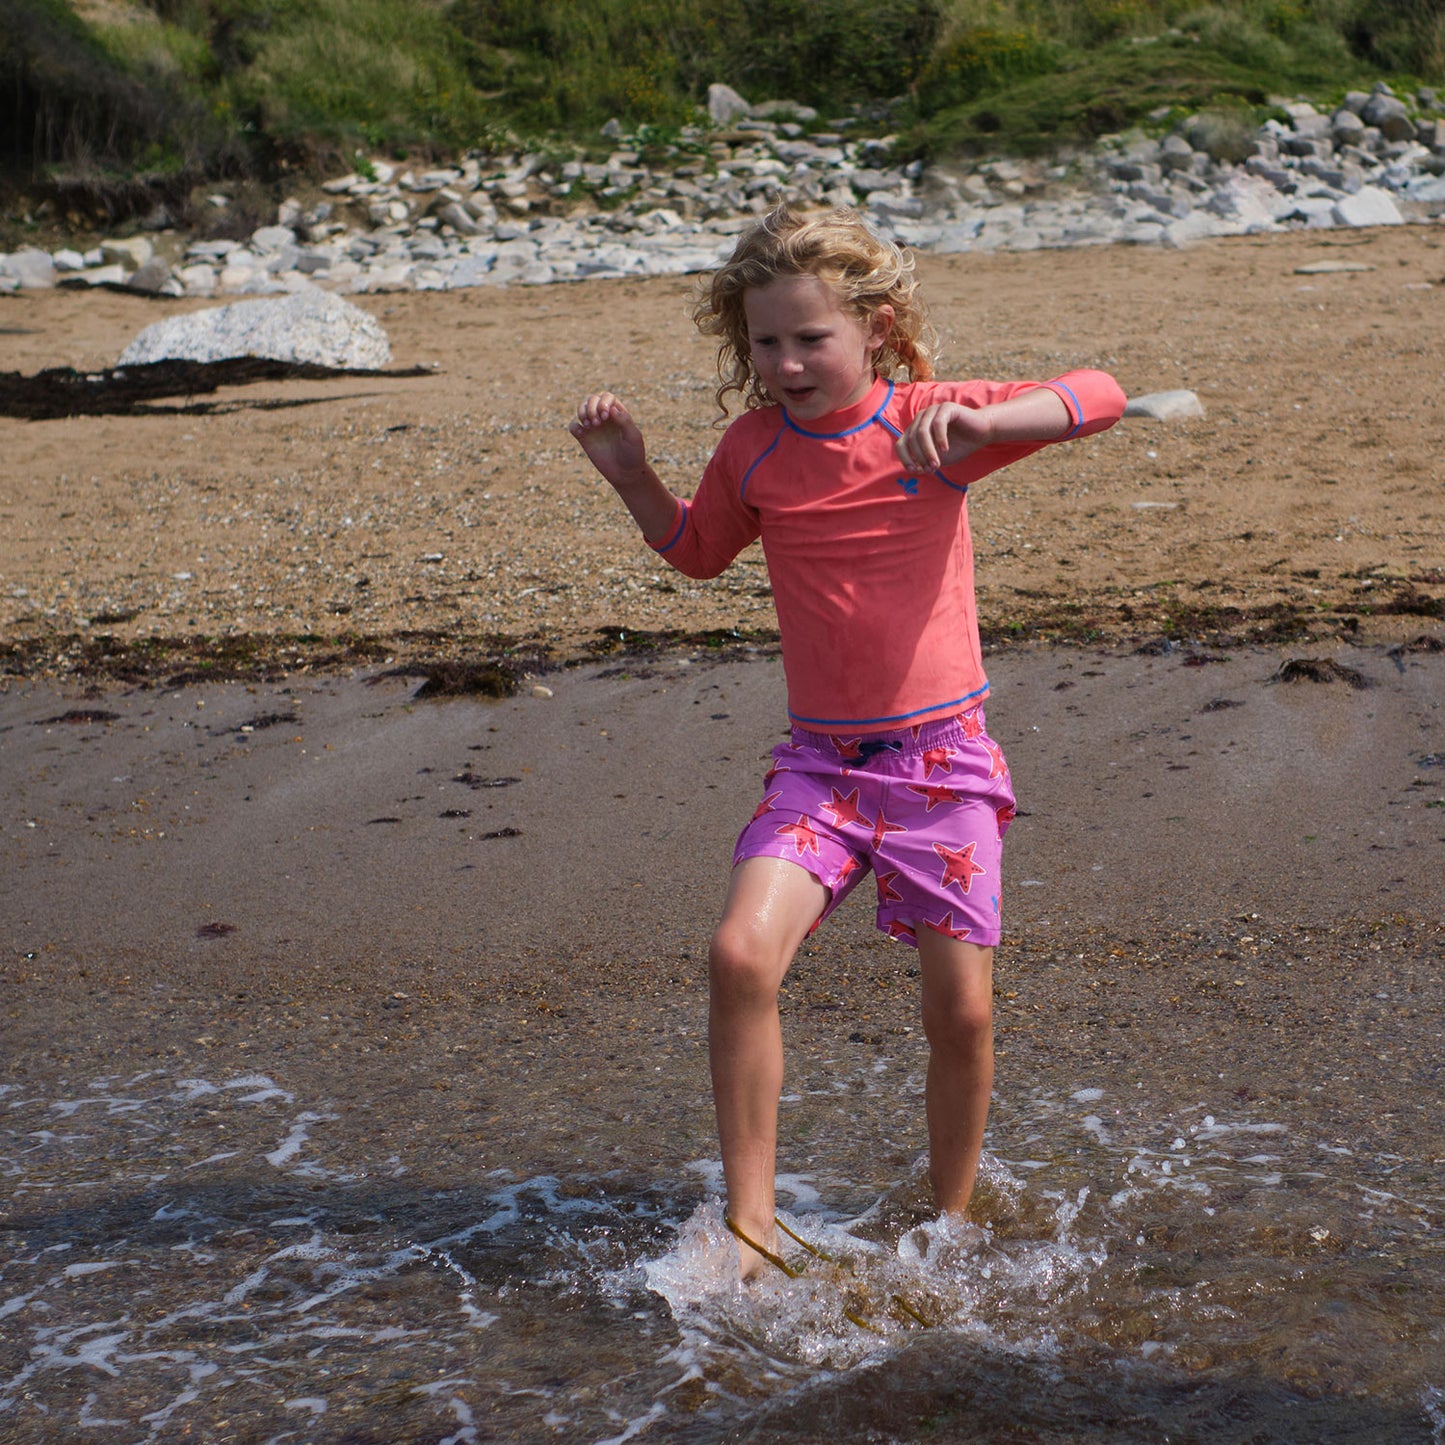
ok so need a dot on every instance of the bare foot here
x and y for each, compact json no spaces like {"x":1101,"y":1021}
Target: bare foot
{"x":757,"y":1252}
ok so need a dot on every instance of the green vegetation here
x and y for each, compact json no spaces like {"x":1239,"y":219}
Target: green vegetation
{"x":117,"y":93}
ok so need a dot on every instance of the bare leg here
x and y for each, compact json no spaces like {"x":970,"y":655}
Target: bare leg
{"x":771,"y":905}
{"x":958,"y":1023}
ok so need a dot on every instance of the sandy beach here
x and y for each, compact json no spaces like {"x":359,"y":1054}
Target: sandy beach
{"x":235,"y":842}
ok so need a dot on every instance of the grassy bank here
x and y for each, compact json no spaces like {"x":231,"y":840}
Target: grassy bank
{"x":108,"y":102}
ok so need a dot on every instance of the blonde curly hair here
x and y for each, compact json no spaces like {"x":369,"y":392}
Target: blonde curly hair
{"x":836,"y":246}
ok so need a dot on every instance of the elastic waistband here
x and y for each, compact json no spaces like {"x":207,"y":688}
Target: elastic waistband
{"x":917,"y":739}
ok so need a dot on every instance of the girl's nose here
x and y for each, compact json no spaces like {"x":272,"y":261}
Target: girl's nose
{"x":790,"y":364}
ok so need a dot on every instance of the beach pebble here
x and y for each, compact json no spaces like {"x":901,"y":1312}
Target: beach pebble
{"x":540,"y":691}
{"x":1165,"y":405}
{"x":508,"y":218}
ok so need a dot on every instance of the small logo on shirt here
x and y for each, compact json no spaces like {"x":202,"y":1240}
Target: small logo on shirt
{"x":909,"y":485}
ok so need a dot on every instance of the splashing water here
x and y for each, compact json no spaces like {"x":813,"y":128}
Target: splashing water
{"x":188,"y":1255}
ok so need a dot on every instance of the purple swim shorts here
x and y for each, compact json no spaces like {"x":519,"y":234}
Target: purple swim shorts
{"x":925,"y":808}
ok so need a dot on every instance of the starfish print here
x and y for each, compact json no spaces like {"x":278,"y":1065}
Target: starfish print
{"x":805,"y":840}
{"x":958,"y":865}
{"x":972,"y":724}
{"x":935,"y":794}
{"x":766,"y":806}
{"x":997,"y":767}
{"x":938,"y":758}
{"x":896,"y":928}
{"x":882,"y":828}
{"x":1005,"y":816}
{"x":887,"y":893}
{"x":945,"y":927}
{"x":849,"y":867}
{"x":845,"y":810}
{"x":850,"y":748}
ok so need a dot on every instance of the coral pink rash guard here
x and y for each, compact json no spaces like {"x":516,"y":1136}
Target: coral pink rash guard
{"x":871,"y":568}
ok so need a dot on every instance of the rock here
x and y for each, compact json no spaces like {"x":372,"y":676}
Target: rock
{"x":1165,"y":405}
{"x":725,"y":105}
{"x":272,"y":238}
{"x":770,"y":108}
{"x":30,"y":269}
{"x":310,"y":327}
{"x":153,"y":278}
{"x":1369,"y":206}
{"x":1389,"y":116}
{"x":1346,"y":127}
{"x":132,"y":252}
{"x":1429,"y":191}
{"x":1330,"y":268}
{"x":456,"y":215}
{"x":100,"y":276}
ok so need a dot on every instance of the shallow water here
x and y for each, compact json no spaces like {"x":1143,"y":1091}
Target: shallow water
{"x":191,"y":1258}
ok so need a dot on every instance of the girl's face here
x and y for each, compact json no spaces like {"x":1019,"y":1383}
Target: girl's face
{"x":812,"y":355}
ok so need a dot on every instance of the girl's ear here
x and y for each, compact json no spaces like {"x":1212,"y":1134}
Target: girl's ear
{"x":880,"y":324}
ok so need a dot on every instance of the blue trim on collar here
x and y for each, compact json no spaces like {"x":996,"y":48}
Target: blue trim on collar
{"x":830,"y":435}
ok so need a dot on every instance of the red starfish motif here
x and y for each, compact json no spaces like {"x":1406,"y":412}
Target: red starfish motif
{"x":972,"y":724}
{"x":958,"y":865}
{"x":997,"y":767}
{"x":945,"y":927}
{"x":805,"y":840}
{"x":1005,"y":816}
{"x":766,"y":806}
{"x":938,"y":758}
{"x":845,"y":810}
{"x":887,"y":893}
{"x":935,"y":794}
{"x":850,"y":748}
{"x":850,"y":866}
{"x":896,"y":928}
{"x":882,"y":828}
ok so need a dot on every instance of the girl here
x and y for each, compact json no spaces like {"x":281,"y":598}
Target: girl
{"x":856,"y":484}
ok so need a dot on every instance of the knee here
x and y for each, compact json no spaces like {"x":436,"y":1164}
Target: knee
{"x":741,"y":965}
{"x":961,"y":1023}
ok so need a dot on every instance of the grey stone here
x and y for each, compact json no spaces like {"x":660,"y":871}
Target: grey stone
{"x":1165,"y":405}
{"x":1390,"y":116}
{"x":1370,"y":206}
{"x":153,"y":278}
{"x":311,"y":326}
{"x":131,"y":252}
{"x":273,"y":238}
{"x":868,"y":180}
{"x":1430,"y":191}
{"x":456,"y":215}
{"x":101,"y":276}
{"x":770,"y":108}
{"x":725,"y":105}
{"x":1346,"y":126}
{"x":31,"y":269}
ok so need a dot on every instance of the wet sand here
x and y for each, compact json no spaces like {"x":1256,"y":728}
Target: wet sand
{"x":487,"y":922}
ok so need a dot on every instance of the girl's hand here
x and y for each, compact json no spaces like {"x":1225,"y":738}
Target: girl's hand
{"x":943,"y":434}
{"x":606,"y":432}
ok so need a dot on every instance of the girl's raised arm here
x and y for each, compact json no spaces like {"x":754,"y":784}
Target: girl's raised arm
{"x":947,"y":432}
{"x":605,"y":430}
